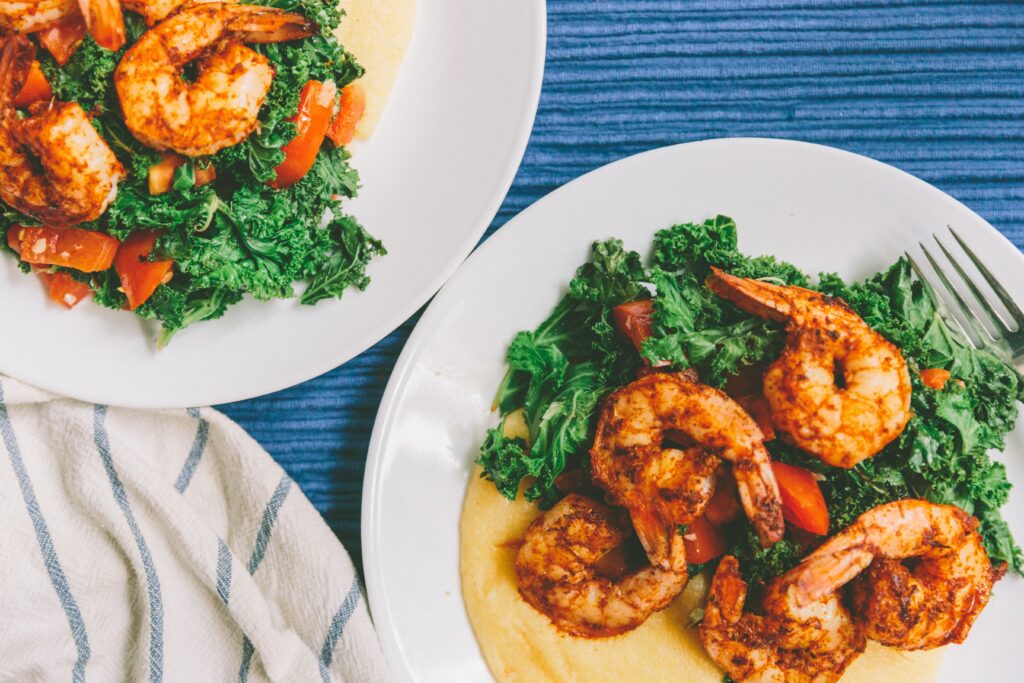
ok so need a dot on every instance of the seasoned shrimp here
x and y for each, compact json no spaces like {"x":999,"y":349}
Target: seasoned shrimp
{"x":556,"y":572}
{"x":629,"y":436}
{"x":842,"y":425}
{"x":790,"y":642}
{"x":102,"y":17}
{"x":220,"y":107}
{"x":54,"y":166}
{"x":156,"y":10}
{"x":26,"y":16}
{"x":931,"y":604}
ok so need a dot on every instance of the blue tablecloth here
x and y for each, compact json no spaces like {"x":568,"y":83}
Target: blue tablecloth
{"x":934,"y":88}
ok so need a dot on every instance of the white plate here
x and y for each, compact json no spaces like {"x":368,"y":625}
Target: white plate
{"x":821,"y":208}
{"x":434,"y":174}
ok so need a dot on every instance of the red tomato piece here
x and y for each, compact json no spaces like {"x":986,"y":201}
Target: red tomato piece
{"x":803,"y":505}
{"x":724,"y":505}
{"x":61,"y":40}
{"x":140,"y":277}
{"x":350,"y":112}
{"x":935,"y":378}
{"x":633,"y":320}
{"x":64,"y":289}
{"x":86,"y":250}
{"x":316,"y":104}
{"x":36,"y":88}
{"x":703,"y":541}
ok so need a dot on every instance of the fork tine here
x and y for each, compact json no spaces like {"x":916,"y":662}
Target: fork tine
{"x":977,"y":333}
{"x":1001,"y":293}
{"x":940,"y":305}
{"x":996,"y":319}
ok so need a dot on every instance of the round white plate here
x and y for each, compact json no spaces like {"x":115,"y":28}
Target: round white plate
{"x":433,"y":174}
{"x":821,"y":208}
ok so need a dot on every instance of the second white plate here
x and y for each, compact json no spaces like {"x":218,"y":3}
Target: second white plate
{"x":433,"y":175}
{"x":820,"y":208}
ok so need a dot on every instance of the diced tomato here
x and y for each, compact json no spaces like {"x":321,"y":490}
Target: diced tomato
{"x":633,"y":320}
{"x":350,"y":111}
{"x":703,"y":541}
{"x":85,"y":250}
{"x":161,"y":175}
{"x":935,"y":378}
{"x":316,"y":104}
{"x":64,"y":289}
{"x":802,"y":502}
{"x":139,"y":277}
{"x":63,"y":39}
{"x":724,"y":505}
{"x":36,"y":88}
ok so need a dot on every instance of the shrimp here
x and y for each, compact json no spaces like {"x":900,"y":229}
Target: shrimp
{"x":789,"y":643}
{"x":54,"y":166}
{"x":629,"y":436}
{"x":845,"y":424}
{"x":220,"y":107}
{"x":103,"y":18}
{"x":931,"y":604}
{"x":26,"y":16}
{"x":557,"y":576}
{"x":153,"y":11}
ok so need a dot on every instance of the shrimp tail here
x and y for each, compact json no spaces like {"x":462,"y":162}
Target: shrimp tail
{"x":660,"y":539}
{"x":254,"y":24}
{"x":728,"y":594}
{"x":763,"y":299}
{"x":105,"y":22}
{"x":821,"y":573}
{"x":15,"y":61}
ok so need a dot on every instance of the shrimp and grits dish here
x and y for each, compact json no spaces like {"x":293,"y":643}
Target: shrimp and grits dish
{"x":711,"y":467}
{"x":169,"y":157}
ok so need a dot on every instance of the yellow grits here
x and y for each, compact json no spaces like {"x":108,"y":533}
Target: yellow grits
{"x":377,"y":32}
{"x":520,"y":644}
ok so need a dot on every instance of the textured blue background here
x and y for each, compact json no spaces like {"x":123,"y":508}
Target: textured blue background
{"x":934,"y":88}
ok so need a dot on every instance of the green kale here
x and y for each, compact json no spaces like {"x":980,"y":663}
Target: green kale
{"x":559,"y":373}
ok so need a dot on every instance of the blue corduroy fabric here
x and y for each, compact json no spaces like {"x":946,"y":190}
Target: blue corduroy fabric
{"x":934,"y":88}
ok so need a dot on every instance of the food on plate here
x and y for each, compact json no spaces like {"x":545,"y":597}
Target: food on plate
{"x":645,"y":410}
{"x":845,"y":424}
{"x":557,"y":573}
{"x":791,"y":639}
{"x":657,"y":486}
{"x":194,"y":138}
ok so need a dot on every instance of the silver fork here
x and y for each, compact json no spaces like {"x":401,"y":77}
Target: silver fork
{"x":1007,"y":343}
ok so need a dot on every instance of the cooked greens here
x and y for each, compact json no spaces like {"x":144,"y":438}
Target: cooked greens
{"x":559,"y":372}
{"x":236,"y":235}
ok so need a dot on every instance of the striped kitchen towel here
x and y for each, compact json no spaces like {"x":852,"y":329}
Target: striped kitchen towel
{"x":164,"y":546}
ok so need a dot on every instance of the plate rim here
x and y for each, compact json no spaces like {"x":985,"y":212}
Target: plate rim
{"x":437,"y":309}
{"x":536,"y":11}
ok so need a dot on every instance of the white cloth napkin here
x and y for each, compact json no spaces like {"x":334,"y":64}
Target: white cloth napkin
{"x":164,"y":546}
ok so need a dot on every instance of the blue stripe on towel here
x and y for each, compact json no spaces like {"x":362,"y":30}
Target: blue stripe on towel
{"x":196,"y":454}
{"x":46,"y":547}
{"x":277,"y":499}
{"x":223,"y":571}
{"x":337,"y":627}
{"x":267,"y":526}
{"x":156,"y":605}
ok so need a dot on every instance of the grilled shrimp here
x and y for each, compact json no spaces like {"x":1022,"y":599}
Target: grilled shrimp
{"x":931,"y":604}
{"x":220,"y":107}
{"x":555,"y":568}
{"x":156,"y":10}
{"x":629,"y":437}
{"x":791,"y":642}
{"x":54,"y":166}
{"x":26,"y":16}
{"x":841,"y":425}
{"x":102,"y":17}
